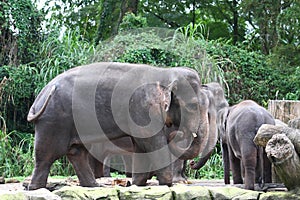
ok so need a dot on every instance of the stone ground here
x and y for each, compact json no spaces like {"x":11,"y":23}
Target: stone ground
{"x":113,"y":188}
{"x":55,"y":183}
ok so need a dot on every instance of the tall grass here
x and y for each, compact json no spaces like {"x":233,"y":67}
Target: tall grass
{"x":16,"y":157}
{"x":213,"y":168}
{"x":60,"y":53}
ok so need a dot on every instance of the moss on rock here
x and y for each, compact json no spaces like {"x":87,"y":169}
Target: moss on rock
{"x":77,"y":192}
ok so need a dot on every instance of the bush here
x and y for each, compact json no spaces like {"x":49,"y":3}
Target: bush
{"x":247,"y":73}
{"x":160,"y":47}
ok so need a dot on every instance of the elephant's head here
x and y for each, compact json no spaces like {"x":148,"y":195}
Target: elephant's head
{"x":217,"y":101}
{"x":186,"y":108}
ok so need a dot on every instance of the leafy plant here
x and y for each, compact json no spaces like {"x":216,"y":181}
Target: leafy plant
{"x":213,"y":169}
{"x":61,"y":52}
{"x":132,"y":21}
{"x":16,"y":157}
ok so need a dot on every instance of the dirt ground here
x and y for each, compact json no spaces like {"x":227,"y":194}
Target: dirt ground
{"x":54,"y":184}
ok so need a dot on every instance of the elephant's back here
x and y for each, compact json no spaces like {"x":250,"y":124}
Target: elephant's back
{"x":248,"y":116}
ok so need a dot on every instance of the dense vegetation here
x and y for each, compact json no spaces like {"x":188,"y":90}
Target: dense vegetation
{"x":247,"y":46}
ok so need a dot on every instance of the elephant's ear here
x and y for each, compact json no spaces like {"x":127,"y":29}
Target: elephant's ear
{"x":222,"y":119}
{"x":167,"y":95}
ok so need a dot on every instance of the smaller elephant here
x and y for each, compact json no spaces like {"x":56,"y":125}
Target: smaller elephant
{"x":238,"y":126}
{"x":125,"y":148}
{"x":122,"y":146}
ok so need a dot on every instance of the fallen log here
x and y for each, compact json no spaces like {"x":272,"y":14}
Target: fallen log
{"x":294,"y":123}
{"x":282,"y":145}
{"x":266,"y":131}
{"x":281,"y":152}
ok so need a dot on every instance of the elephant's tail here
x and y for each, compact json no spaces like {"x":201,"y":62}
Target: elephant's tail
{"x":32,"y":115}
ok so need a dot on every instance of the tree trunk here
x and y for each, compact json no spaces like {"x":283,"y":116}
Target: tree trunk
{"x":282,"y":154}
{"x":294,"y":123}
{"x":235,"y":22}
{"x":283,"y":150}
{"x":284,"y":110}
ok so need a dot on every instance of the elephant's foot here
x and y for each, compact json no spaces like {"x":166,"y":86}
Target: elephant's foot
{"x":90,"y":184}
{"x":139,"y":179}
{"x":249,"y":187}
{"x":165,"y":177}
{"x":179,"y":179}
{"x":35,"y":186}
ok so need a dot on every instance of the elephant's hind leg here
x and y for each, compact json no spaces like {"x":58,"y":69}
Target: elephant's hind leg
{"x":40,"y":174}
{"x":45,"y":155}
{"x":79,"y":157}
{"x":249,"y":163}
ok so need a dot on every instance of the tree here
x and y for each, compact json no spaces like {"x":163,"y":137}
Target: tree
{"x":20,"y":25}
{"x":262,"y":16}
{"x":112,"y":13}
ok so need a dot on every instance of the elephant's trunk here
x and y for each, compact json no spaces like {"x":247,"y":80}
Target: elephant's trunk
{"x":197,"y":140}
{"x":201,"y":161}
{"x":211,"y":141}
{"x":184,"y":153}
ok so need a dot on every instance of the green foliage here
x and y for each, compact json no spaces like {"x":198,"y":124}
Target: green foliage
{"x":82,"y":16}
{"x":16,"y":157}
{"x":17,"y":95}
{"x":108,"y":20}
{"x":157,"y":57}
{"x":213,"y":169}
{"x":62,"y":167}
{"x":60,"y":53}
{"x":117,"y":175}
{"x":132,"y":21}
{"x":161,"y":47}
{"x":247,"y":73}
{"x":288,"y":25}
{"x":20,"y":25}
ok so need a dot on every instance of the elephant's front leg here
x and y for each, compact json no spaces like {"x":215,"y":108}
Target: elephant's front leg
{"x":152,"y":155}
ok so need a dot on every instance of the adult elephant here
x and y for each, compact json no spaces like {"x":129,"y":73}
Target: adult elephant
{"x":238,"y":126}
{"x":101,"y":102}
{"x":217,"y":101}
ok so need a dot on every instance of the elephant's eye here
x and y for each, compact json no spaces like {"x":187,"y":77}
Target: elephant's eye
{"x":192,"y":106}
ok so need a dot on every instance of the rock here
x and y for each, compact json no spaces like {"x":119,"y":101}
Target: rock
{"x":233,"y":193}
{"x":40,"y":194}
{"x":182,"y":192}
{"x":153,"y":192}
{"x":12,"y":196}
{"x":12,"y":180}
{"x":78,"y":192}
{"x":2,"y":180}
{"x":279,"y":196}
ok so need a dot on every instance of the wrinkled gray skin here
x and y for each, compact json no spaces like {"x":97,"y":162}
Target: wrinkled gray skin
{"x":217,"y":101}
{"x":64,"y":117}
{"x":238,"y":126}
